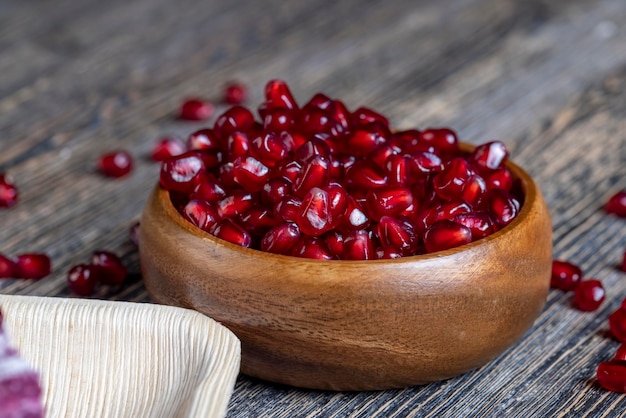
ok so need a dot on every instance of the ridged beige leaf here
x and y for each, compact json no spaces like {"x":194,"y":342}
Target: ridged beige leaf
{"x":122,"y":359}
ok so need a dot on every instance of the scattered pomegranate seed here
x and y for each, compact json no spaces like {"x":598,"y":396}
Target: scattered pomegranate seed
{"x":196,"y":109}
{"x":8,"y":191}
{"x":565,"y":276}
{"x":108,"y":268}
{"x":7,"y":267}
{"x":620,"y":354}
{"x":588,"y":295}
{"x":32,"y":266}
{"x":235,"y":93}
{"x":167,"y":147}
{"x":617,"y":324}
{"x":612,"y":375}
{"x":115,"y":164}
{"x":82,"y":279}
{"x":617,"y":204}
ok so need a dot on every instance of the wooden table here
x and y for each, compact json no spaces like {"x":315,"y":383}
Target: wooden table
{"x":78,"y":78}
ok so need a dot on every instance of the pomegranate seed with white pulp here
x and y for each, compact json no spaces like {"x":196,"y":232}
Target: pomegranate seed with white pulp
{"x":115,"y":164}
{"x":8,"y":192}
{"x":196,"y":109}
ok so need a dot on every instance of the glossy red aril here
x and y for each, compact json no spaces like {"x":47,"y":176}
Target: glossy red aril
{"x":338,"y":201}
{"x":167,"y":147}
{"x":235,"y":93}
{"x":269,"y":148}
{"x":503,"y":206}
{"x":278,"y":120}
{"x":354,"y":217}
{"x":82,"y":279}
{"x":399,"y":234}
{"x":445,"y":234}
{"x":442,"y":139}
{"x":588,"y":295}
{"x":180,"y":173}
{"x":617,"y":204}
{"x":196,"y":109}
{"x":250,"y":173}
{"x":386,"y":253}
{"x":289,"y":208}
{"x":365,"y":139}
{"x":281,"y":239}
{"x":257,"y":220}
{"x":315,"y":147}
{"x":237,"y":118}
{"x":474,"y":189}
{"x":620,"y":354}
{"x":115,"y":163}
{"x":234,"y":204}
{"x":278,"y":95}
{"x":32,"y":266}
{"x":207,"y":188}
{"x":490,"y":156}
{"x":617,"y":324}
{"x":200,"y":213}
{"x":364,"y":116}
{"x":388,"y":201}
{"x":315,"y":173}
{"x":311,"y":247}
{"x":315,"y":216}
{"x":230,"y":231}
{"x":565,"y":275}
{"x":364,"y":176}
{"x":319,"y":101}
{"x":500,"y":178}
{"x":334,"y":242}
{"x":7,"y":267}
{"x":357,"y":245}
{"x":108,"y":268}
{"x":611,"y":375}
{"x":8,"y":191}
{"x":423,"y":163}
{"x":274,"y":190}
{"x":480,"y":223}
{"x":203,"y":139}
{"x":449,"y":183}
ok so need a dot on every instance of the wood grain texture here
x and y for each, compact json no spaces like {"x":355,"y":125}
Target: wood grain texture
{"x":547,"y":77}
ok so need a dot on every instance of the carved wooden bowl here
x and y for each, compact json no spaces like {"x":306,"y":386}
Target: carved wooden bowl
{"x":357,"y":325}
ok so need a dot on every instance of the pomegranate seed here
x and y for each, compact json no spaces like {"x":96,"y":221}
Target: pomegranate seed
{"x":388,"y":253}
{"x":180,"y":173}
{"x":237,"y":118}
{"x":234,"y":204}
{"x":7,"y":267}
{"x":167,"y":147}
{"x":388,"y":201}
{"x":277,"y":95}
{"x":250,"y":173}
{"x":367,"y":138}
{"x":228,"y":230}
{"x":504,"y":207}
{"x":617,"y":204}
{"x":203,"y":139}
{"x":357,"y":245}
{"x":620,"y":354}
{"x":491,"y":155}
{"x":315,"y":173}
{"x":8,"y":191}
{"x":474,"y":189}
{"x":337,"y":200}
{"x":612,"y":375}
{"x":364,"y":176}
{"x":399,"y":234}
{"x":133,"y":233}
{"x":281,"y":239}
{"x":278,"y":120}
{"x":588,"y":295}
{"x":311,"y":247}
{"x":617,"y":324}
{"x":108,"y":268}
{"x":269,"y":148}
{"x":409,"y":141}
{"x":381,"y":154}
{"x":311,"y":149}
{"x":238,"y":145}
{"x":32,"y":266}
{"x":445,"y":234}
{"x":200,"y":213}
{"x":425,"y":163}
{"x":450,"y":182}
{"x":479,"y":223}
{"x":565,"y":276}
{"x":441,"y":139}
{"x":235,"y":93}
{"x":319,"y":101}
{"x":115,"y":164}
{"x":82,"y":279}
{"x":334,"y":242}
{"x":354,"y":218}
{"x":398,"y":170}
{"x":364,"y":116}
{"x":289,"y":208}
{"x":500,"y":178}
{"x":315,"y":121}
{"x":315,"y":217}
{"x":207,"y":188}
{"x":258,"y":220}
{"x":196,"y":109}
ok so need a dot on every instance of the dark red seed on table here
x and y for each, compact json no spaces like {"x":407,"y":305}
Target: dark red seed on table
{"x":235,"y":93}
{"x":565,"y":275}
{"x":278,"y":95}
{"x":480,"y":223}
{"x":442,"y":139}
{"x":228,"y":230}
{"x":500,"y":178}
{"x":491,"y":155}
{"x":398,"y":233}
{"x":588,"y":295}
{"x":237,"y":118}
{"x":207,"y":188}
{"x":203,"y":139}
{"x":115,"y":163}
{"x":617,"y":204}
{"x":617,"y":324}
{"x":449,"y":183}
{"x":503,"y":206}
{"x":200,"y":213}
{"x":82,"y":279}
{"x":611,"y":375}
{"x":250,"y":173}
{"x":166,"y":148}
{"x":620,"y":354}
{"x":281,"y":239}
{"x":364,"y":116}
{"x":315,"y":173}
{"x":357,"y":245}
{"x":269,"y":148}
{"x":32,"y":266}
{"x":109,"y":268}
{"x":315,"y":217}
{"x":181,"y":172}
{"x":288,"y":209}
{"x":234,"y":204}
{"x":7,"y":267}
{"x":8,"y":191}
{"x":196,"y":109}
{"x":134,"y":232}
{"x":334,"y":242}
{"x":388,"y":201}
{"x":445,"y":234}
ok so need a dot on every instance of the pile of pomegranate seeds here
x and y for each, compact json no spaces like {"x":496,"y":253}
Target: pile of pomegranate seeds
{"x":617,"y":204}
{"x":105,"y":267}
{"x":8,"y":191}
{"x":322,"y":182}
{"x":25,"y":266}
{"x":115,"y":163}
{"x":196,"y":109}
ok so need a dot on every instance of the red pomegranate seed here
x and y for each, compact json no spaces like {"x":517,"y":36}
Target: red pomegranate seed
{"x":319,"y":101}
{"x":228,"y":230}
{"x":257,"y":220}
{"x":364,"y":176}
{"x":409,"y":141}
{"x":334,"y":242}
{"x":109,"y":268}
{"x":314,"y":121}
{"x":269,"y":148}
{"x":617,"y":204}
{"x":450,"y":182}
{"x":617,"y":324}
{"x":281,"y":239}
{"x":357,"y":245}
{"x":32,"y":266}
{"x":449,"y":210}
{"x":115,"y":164}
{"x":237,"y":118}
{"x":425,"y":163}
{"x":207,"y":188}
{"x":203,"y":139}
{"x":588,"y":295}
{"x":388,"y":253}
{"x":315,"y":217}
{"x":474,"y":189}
{"x":381,"y":154}
{"x":503,"y":206}
{"x":311,"y":247}
{"x":491,"y":155}
{"x":274,"y":190}
{"x":315,"y":173}
{"x":289,"y":208}
{"x":367,"y":138}
{"x":200,"y":213}
{"x":445,"y":234}
{"x":180,"y":173}
{"x":388,"y":201}
{"x":364,"y":116}
{"x":165,"y":148}
{"x":235,"y":93}
{"x":250,"y":173}
{"x":311,"y":149}
{"x":565,"y":276}
{"x":612,"y":375}
{"x":278,"y":95}
{"x":8,"y":191}
{"x":196,"y":109}
{"x":398,"y":233}
{"x":479,"y":223}
{"x":7,"y":267}
{"x":234,"y":204}
{"x":341,"y":115}
{"x":620,"y":354}
{"x":278,"y":120}
{"x":354,"y":218}
{"x":338,"y":201}
{"x":238,"y":145}
{"x":500,"y":178}
{"x":441,"y":139}
{"x":133,"y":233}
{"x":82,"y":279}
{"x":398,"y":170}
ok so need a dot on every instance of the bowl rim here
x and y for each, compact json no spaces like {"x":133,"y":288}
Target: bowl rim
{"x":528,"y":186}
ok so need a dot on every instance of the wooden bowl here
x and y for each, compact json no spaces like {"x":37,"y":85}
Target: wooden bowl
{"x":357,"y":325}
